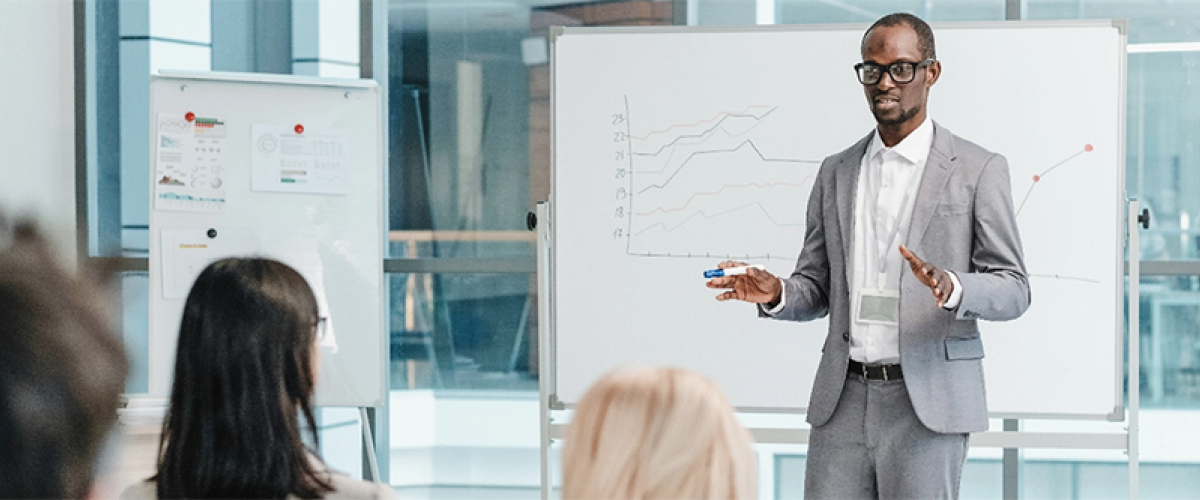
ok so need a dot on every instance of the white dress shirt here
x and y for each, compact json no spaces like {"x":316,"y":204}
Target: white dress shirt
{"x":884,"y":198}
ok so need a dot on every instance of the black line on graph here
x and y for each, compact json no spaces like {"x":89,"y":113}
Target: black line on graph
{"x":706,"y":132}
{"x":719,"y":151}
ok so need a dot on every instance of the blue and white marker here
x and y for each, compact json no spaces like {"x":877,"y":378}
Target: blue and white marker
{"x":732,"y":271}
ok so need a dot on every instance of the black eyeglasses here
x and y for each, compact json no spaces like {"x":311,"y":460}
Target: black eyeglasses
{"x":870,"y":73}
{"x":321,"y":322}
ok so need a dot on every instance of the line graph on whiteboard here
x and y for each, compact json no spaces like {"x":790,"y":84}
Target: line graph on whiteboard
{"x":1041,"y":176}
{"x":715,"y":184}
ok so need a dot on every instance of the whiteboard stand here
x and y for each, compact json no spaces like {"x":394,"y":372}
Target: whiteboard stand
{"x":1010,"y":439}
{"x":369,"y":443}
{"x":1133,"y":221}
{"x":542,"y":223}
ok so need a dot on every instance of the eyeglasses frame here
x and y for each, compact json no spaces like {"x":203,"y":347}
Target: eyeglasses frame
{"x":887,"y":69}
{"x":321,"y":326}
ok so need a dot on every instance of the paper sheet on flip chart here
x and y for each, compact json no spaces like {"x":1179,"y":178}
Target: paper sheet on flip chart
{"x":297,"y":160}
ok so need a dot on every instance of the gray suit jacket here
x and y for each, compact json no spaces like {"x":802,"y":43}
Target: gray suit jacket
{"x":962,"y":221}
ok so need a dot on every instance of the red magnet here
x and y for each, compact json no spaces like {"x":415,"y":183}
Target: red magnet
{"x":190,"y":116}
{"x":299,"y":128}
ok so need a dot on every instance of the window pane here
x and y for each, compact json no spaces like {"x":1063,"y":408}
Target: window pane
{"x":867,"y":11}
{"x":1150,"y":21}
{"x":1163,"y":150}
{"x":463,"y":332}
{"x":1170,"y":342}
{"x":135,"y":328}
{"x":460,"y":106}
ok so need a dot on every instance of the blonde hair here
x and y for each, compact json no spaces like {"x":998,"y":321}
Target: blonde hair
{"x":656,"y":433}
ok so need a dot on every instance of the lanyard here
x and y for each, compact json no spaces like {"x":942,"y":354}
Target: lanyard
{"x":877,"y":187}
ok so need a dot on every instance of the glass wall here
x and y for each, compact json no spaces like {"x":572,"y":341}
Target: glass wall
{"x":468,"y":134}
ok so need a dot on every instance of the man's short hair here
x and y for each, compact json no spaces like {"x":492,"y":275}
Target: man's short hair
{"x":924,"y":32}
{"x":62,"y":371}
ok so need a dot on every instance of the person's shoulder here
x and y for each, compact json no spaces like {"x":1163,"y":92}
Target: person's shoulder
{"x":961,"y":147}
{"x":142,"y":490}
{"x":346,"y":487}
{"x":854,"y":152}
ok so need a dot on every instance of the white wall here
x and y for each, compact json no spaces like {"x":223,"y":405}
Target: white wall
{"x":37,"y":122}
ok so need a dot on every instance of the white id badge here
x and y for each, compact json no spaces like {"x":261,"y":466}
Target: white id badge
{"x":881,"y":307}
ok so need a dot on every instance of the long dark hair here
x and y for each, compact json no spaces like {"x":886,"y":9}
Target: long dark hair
{"x":243,"y":373}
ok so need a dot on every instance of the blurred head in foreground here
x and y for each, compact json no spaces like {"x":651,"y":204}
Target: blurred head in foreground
{"x":656,"y":433}
{"x":62,"y":371}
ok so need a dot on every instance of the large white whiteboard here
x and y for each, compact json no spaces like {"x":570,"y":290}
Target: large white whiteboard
{"x":717,"y":134}
{"x":334,"y":240}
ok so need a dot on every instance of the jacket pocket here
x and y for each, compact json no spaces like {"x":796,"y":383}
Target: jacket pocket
{"x":964,"y":348}
{"x":950,"y":210}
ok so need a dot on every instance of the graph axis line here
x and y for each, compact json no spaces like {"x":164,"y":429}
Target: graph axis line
{"x":629,"y":148}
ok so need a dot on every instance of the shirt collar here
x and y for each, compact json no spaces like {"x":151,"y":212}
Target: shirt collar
{"x":914,"y":148}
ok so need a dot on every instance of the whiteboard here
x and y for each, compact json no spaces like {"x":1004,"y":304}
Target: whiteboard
{"x":677,"y":148}
{"x":324,"y":218}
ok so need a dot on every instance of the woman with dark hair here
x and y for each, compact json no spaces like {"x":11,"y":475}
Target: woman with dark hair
{"x":245,"y":369}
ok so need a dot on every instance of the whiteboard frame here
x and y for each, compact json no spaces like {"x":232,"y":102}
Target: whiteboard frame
{"x":1118,"y":217}
{"x":379,"y":398}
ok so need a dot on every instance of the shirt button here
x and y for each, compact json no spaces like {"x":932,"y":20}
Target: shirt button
{"x":846,"y":336}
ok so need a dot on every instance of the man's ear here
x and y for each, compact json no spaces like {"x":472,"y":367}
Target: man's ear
{"x":932,"y":73}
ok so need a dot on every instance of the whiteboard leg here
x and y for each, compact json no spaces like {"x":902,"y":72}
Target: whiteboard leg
{"x":544,"y":370}
{"x":369,"y":443}
{"x":1134,"y":347}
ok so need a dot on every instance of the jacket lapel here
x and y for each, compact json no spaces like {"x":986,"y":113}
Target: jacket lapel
{"x":846,"y":188}
{"x":937,"y":171}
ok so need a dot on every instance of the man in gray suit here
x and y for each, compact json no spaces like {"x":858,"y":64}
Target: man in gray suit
{"x":900,"y":383}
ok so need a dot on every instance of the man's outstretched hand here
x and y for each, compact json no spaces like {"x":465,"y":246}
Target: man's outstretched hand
{"x":757,"y":286}
{"x":937,"y":280}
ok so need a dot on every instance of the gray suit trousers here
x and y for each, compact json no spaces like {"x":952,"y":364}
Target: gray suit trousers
{"x":875,"y":447}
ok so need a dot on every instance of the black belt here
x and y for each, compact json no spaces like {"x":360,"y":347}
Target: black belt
{"x":877,"y":372}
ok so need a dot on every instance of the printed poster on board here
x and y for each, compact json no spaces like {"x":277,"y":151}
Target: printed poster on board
{"x":293,"y":159}
{"x":190,"y":163}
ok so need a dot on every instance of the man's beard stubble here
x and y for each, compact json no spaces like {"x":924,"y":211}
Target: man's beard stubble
{"x":905,"y":116}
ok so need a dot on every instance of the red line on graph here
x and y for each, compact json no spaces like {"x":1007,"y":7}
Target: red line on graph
{"x":677,"y":125}
{"x":1087,"y":148}
{"x":719,"y":191}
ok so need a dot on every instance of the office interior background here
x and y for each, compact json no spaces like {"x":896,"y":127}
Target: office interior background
{"x":471,"y":76}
